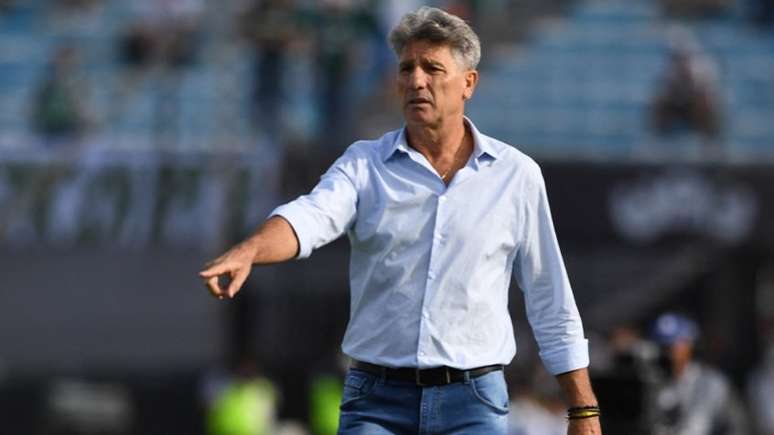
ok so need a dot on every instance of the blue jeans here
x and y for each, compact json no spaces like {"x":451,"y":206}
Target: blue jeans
{"x":372,"y":405}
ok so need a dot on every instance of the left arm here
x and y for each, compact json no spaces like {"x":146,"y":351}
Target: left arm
{"x":539,"y":270}
{"x":550,"y":304}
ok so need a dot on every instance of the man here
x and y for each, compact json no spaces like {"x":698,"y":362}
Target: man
{"x":438,"y":216}
{"x":695,"y":399}
{"x":688,"y":97}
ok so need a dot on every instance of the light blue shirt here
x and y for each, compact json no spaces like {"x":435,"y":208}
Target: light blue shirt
{"x":431,"y":265}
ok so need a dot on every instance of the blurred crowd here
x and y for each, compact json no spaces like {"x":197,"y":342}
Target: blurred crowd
{"x":688,"y":98}
{"x":319,"y":73}
{"x":654,"y":380}
{"x":320,"y":76}
{"x":315,"y":68}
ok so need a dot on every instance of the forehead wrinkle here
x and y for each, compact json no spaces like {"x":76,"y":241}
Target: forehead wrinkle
{"x":456,"y":57}
{"x":435,"y":56}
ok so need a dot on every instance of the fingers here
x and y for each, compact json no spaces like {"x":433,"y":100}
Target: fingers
{"x":211,"y":274}
{"x":215,"y":270}
{"x":214,"y":287}
{"x":237,"y":280}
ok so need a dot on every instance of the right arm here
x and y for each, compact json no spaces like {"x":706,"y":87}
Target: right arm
{"x":274,"y":242}
{"x":294,"y":230}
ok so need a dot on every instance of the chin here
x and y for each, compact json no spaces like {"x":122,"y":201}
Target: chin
{"x":412,"y":117}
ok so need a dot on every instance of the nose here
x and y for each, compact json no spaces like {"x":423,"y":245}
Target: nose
{"x":417,"y":79}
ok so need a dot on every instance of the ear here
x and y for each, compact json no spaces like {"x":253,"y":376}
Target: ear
{"x":471,"y":80}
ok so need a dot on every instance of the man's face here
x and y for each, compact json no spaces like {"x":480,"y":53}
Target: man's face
{"x":432,"y":83}
{"x":676,"y":357}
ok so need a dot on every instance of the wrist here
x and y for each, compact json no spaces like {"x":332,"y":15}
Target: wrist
{"x":250,"y":249}
{"x":583,"y":412}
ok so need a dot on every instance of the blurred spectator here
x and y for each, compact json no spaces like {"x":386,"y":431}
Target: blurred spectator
{"x":628,"y":350}
{"x":136,"y":46}
{"x":174,"y":27}
{"x":325,"y":396}
{"x":245,"y":405}
{"x":625,"y":379}
{"x":688,"y":97}
{"x":136,"y":50}
{"x":339,"y":25}
{"x":760,"y":392}
{"x":271,"y":26}
{"x":760,"y":384}
{"x":695,"y":399}
{"x":179,"y":32}
{"x":58,"y":109}
{"x":163,"y":35}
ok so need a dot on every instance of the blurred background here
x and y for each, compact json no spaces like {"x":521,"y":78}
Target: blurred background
{"x":139,"y":139}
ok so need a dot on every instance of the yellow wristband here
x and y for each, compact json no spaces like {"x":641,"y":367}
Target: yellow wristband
{"x":583,"y":414}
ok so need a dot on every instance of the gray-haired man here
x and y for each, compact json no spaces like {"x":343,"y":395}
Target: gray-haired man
{"x":439,"y":216}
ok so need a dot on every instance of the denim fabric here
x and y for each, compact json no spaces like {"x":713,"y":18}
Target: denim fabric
{"x":374,"y":406}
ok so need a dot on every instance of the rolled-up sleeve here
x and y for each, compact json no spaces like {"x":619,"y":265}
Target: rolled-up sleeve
{"x":541,"y":274}
{"x":328,"y":210}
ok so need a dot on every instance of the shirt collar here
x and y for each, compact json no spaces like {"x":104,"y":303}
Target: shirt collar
{"x":481,"y":144}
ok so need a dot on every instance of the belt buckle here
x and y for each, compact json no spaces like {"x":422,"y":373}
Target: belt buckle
{"x":418,"y":377}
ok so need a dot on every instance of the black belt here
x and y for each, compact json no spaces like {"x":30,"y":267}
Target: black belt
{"x":424,"y":377}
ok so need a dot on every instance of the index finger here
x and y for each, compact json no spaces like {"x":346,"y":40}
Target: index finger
{"x":213,"y":270}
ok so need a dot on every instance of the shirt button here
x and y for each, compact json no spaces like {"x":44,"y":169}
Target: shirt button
{"x":421,"y":353}
{"x":431,"y":275}
{"x":425,"y":315}
{"x":441,"y":199}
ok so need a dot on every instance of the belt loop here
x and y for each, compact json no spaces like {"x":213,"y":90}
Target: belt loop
{"x":383,"y":373}
{"x":466,"y":376}
{"x":447,"y":372}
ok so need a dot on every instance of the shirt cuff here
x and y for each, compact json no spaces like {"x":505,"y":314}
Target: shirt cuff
{"x":299,"y":221}
{"x":571,"y":357}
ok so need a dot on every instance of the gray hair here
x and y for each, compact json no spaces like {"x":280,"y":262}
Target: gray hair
{"x":437,"y":26}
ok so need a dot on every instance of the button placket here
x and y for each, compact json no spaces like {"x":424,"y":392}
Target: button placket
{"x":437,"y":238}
{"x":431,"y":274}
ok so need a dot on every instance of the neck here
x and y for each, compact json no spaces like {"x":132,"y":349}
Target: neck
{"x":437,"y":141}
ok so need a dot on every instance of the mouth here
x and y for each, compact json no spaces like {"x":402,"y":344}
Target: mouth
{"x":418,"y":101}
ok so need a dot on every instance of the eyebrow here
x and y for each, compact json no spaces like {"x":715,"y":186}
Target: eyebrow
{"x":434,"y":63}
{"x":410,"y":62}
